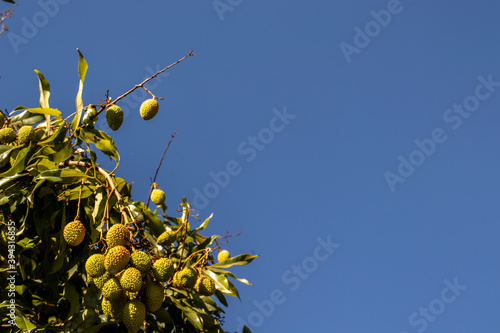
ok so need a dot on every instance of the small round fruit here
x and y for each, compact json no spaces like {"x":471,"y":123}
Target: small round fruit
{"x":112,"y":289}
{"x":114,"y":117}
{"x":118,"y":234}
{"x":134,"y":315}
{"x":205,"y":286}
{"x":140,"y":260}
{"x":7,"y":135}
{"x":223,"y":255}
{"x":116,"y":259}
{"x":163,"y":269}
{"x":186,"y":278}
{"x":154,"y":294}
{"x":149,"y":109}
{"x":74,"y":233}
{"x":158,"y":197}
{"x":166,"y":238}
{"x":95,"y":265}
{"x":25,"y":134}
{"x":131,"y":280}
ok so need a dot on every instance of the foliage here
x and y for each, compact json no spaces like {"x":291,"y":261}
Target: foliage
{"x":54,"y":179}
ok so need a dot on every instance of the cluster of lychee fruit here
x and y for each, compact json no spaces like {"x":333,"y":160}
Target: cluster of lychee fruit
{"x":114,"y":114}
{"x":25,"y":134}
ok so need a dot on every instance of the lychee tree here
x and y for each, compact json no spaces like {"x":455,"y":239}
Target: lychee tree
{"x":78,"y":254}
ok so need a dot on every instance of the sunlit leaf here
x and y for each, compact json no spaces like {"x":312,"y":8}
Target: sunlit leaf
{"x":82,"y":71}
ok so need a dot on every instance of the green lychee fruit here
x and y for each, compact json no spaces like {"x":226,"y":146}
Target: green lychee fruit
{"x":114,"y":117}
{"x":101,"y":280}
{"x":74,"y":233}
{"x":163,"y":269}
{"x":149,"y":109}
{"x":112,"y":289}
{"x":166,"y":238}
{"x":140,"y":260}
{"x":185,"y":278}
{"x":95,"y":265}
{"x":7,"y":135}
{"x":134,"y":315}
{"x":205,"y":286}
{"x":118,"y":234}
{"x":153,"y":295}
{"x":116,"y":259}
{"x":158,"y":197}
{"x":25,"y":134}
{"x":113,"y":308}
{"x":223,"y":255}
{"x":131,"y":280}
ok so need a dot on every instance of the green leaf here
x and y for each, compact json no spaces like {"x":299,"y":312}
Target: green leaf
{"x":25,"y":117}
{"x":23,"y":323}
{"x":204,"y":224}
{"x":63,"y":154}
{"x":73,"y":297}
{"x":82,"y":71}
{"x":101,"y":140}
{"x":46,"y":111}
{"x":44,"y":88}
{"x":246,"y":329}
{"x":221,"y":283}
{"x":227,"y":273}
{"x":241,"y":260}
{"x":66,"y":176}
{"x":18,"y":164}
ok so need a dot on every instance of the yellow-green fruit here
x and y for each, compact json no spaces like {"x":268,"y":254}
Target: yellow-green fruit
{"x":74,"y":233}
{"x":163,"y":269}
{"x":223,"y":255}
{"x":118,"y":234}
{"x":185,"y":278}
{"x":114,"y":117}
{"x":149,"y":109}
{"x":153,"y":295}
{"x":158,"y":197}
{"x":95,"y":265}
{"x":39,"y":132}
{"x":131,"y":280}
{"x":112,"y":289}
{"x":140,"y":260}
{"x":113,"y":308}
{"x":7,"y":135}
{"x":166,"y":238}
{"x":134,"y":315}
{"x":116,"y":259}
{"x":101,"y":280}
{"x":25,"y":134}
{"x":205,"y":286}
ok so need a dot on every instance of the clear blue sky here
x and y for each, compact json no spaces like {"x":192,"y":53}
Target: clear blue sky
{"x":412,"y":248}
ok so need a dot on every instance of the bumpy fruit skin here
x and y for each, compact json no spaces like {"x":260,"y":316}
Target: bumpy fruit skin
{"x":186,"y":278}
{"x":113,"y":308}
{"x":140,"y":260}
{"x":25,"y":134}
{"x":223,"y":255}
{"x":149,"y":109}
{"x":116,"y":259}
{"x":131,"y":280}
{"x":163,"y":269}
{"x":166,"y":238}
{"x":7,"y":135}
{"x":74,"y":233}
{"x":112,"y":289}
{"x":118,"y":234}
{"x":95,"y":265}
{"x":205,"y":286}
{"x":114,"y":117}
{"x":153,"y":295}
{"x":134,"y":315}
{"x":158,"y":197}
{"x":101,"y":280}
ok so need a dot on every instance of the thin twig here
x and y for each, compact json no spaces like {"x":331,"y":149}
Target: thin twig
{"x":8,"y":13}
{"x":158,"y":168}
{"x":140,"y":85}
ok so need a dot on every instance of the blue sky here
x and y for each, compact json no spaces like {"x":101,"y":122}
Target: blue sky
{"x":363,"y":164}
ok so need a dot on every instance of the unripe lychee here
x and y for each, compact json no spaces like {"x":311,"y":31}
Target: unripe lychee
{"x":149,"y":109}
{"x":25,"y":134}
{"x":158,"y":197}
{"x":223,"y":255}
{"x":74,"y":233}
{"x":114,"y":117}
{"x":7,"y":135}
